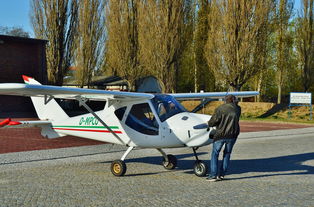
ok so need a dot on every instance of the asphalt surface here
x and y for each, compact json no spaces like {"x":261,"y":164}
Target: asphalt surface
{"x":270,"y":168}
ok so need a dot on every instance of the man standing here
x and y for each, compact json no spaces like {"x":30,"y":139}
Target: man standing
{"x":226,"y":120}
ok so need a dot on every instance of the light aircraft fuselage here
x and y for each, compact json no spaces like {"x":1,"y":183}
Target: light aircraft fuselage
{"x":161,"y":122}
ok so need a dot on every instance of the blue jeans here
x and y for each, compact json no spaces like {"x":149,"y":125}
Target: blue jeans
{"x":217,"y":145}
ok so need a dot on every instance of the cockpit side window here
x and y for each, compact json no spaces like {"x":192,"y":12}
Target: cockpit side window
{"x":166,"y":106}
{"x":120,"y":112}
{"x":142,"y":119}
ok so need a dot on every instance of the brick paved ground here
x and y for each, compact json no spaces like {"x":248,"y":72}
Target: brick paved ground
{"x":268,"y":169}
{"x":27,"y":139}
{"x":252,"y":126}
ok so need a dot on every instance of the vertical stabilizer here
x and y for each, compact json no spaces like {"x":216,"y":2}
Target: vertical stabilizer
{"x":49,"y":111}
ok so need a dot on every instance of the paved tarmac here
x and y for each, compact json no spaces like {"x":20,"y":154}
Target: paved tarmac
{"x":270,"y":168}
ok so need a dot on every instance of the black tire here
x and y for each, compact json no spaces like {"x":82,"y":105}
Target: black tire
{"x":200,"y":168}
{"x":118,"y":168}
{"x":171,"y":164}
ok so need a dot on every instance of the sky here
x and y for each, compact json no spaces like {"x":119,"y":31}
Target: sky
{"x":15,"y":13}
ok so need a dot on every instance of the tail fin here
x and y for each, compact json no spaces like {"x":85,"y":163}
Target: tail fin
{"x":49,"y":111}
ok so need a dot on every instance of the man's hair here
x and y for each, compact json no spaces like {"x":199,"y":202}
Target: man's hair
{"x":230,"y":99}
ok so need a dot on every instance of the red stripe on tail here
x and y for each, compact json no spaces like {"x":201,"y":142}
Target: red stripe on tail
{"x":26,"y":78}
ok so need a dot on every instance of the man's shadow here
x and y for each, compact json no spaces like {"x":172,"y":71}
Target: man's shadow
{"x":284,"y":165}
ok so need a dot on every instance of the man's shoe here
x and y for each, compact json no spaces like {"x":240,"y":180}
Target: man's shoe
{"x":221,"y":177}
{"x":211,"y":179}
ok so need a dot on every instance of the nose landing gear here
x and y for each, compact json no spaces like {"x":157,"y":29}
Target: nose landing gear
{"x":200,"y":168}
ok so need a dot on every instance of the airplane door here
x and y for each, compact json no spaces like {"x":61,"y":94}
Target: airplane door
{"x":164,"y":128}
{"x":142,"y":119}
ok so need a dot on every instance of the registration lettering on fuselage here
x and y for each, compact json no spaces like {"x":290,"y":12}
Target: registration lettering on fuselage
{"x":89,"y":121}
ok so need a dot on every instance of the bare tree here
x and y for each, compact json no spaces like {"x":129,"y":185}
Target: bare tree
{"x":14,"y":31}
{"x":236,"y":27}
{"x":56,"y":21}
{"x":90,"y":41}
{"x":160,"y":35}
{"x":305,"y":43}
{"x":122,"y":44}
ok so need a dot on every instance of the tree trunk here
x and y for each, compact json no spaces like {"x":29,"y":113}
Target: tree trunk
{"x":279,"y":94}
{"x":259,"y":87}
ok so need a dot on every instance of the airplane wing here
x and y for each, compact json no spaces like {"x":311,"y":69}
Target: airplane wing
{"x":33,"y":88}
{"x":213,"y":95}
{"x":20,"y":89}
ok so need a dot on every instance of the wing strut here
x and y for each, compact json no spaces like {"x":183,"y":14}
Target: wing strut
{"x":201,"y":105}
{"x":82,"y":101}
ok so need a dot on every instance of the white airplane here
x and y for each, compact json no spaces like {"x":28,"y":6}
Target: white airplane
{"x":139,"y":120}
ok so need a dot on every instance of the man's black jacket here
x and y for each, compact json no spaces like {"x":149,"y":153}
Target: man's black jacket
{"x":226,"y":119}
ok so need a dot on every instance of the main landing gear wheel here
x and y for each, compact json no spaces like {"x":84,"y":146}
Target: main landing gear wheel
{"x":200,"y":168}
{"x":171,"y":164}
{"x":118,"y":168}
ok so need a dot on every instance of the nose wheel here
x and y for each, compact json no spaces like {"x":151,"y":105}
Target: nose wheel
{"x":200,"y":168}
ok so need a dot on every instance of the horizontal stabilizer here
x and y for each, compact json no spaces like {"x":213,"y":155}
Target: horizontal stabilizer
{"x":22,"y":124}
{"x":46,"y":130}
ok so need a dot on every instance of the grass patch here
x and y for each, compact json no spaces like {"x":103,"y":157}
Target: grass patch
{"x":261,"y":111}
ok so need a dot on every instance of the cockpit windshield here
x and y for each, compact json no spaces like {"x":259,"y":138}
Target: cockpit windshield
{"x":166,"y":106}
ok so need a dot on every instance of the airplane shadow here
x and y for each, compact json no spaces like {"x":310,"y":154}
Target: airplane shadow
{"x":182,"y":165}
{"x":157,"y":160}
{"x":274,"y":166}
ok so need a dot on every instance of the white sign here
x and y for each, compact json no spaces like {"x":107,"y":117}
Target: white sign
{"x":300,"y":98}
